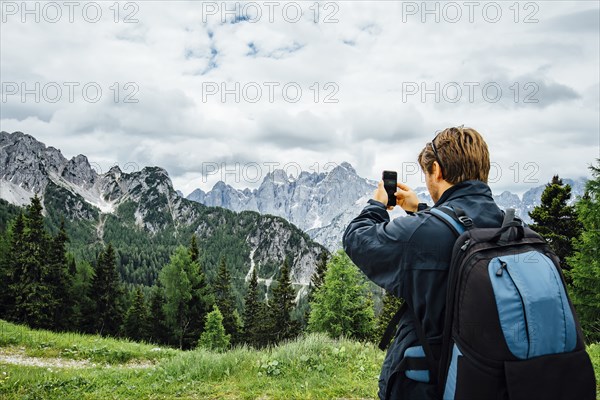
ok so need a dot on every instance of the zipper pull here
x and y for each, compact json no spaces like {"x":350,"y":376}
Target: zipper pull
{"x":465,"y":245}
{"x":501,"y":269}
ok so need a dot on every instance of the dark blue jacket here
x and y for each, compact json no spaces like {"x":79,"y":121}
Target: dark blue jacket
{"x":410,"y":256}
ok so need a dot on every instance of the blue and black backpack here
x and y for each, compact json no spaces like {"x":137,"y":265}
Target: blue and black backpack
{"x":510,"y":330}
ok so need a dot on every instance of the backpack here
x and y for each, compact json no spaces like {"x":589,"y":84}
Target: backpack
{"x":510,"y":330}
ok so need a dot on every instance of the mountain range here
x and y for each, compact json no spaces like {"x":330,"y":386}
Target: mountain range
{"x":145,"y":218}
{"x":322,"y":204}
{"x":314,"y":208}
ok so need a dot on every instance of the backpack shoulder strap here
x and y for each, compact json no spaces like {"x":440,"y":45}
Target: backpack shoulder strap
{"x":455,"y":218}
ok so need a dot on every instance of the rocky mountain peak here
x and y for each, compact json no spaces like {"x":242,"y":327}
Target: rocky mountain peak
{"x":278,"y":176}
{"x":79,"y":172}
{"x":115,"y":170}
{"x":197,"y":195}
{"x":155,"y":171}
{"x":25,"y":164}
{"x":220,"y":185}
{"x":347,"y":166}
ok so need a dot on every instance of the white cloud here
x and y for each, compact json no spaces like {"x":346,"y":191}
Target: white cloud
{"x":362,"y":63}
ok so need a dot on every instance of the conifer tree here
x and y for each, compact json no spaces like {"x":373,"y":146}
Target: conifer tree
{"x":4,"y":275}
{"x":33,"y":299}
{"x":281,"y":306}
{"x":202,"y":298}
{"x":187,"y":297}
{"x":60,"y":282}
{"x":316,"y":281}
{"x":226,"y":303}
{"x":107,"y":293}
{"x":136,"y":326}
{"x":83,"y":305}
{"x":255,"y":330}
{"x":13,"y":256}
{"x":214,"y":336}
{"x":159,"y":331}
{"x":585,"y":274}
{"x":319,"y":275}
{"x":556,"y":221}
{"x":175,"y":278}
{"x":194,"y":251}
{"x":343,"y":305}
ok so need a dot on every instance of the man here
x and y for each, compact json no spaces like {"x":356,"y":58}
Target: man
{"x":410,"y":256}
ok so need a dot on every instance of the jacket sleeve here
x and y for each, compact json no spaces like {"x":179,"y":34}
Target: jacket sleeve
{"x":380,"y":247}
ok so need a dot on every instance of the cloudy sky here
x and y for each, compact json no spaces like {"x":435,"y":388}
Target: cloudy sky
{"x":214,"y":90}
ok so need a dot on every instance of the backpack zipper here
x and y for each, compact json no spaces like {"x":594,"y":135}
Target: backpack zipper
{"x":503,"y":266}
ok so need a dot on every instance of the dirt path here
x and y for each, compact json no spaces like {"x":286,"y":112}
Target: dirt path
{"x":18,"y":357}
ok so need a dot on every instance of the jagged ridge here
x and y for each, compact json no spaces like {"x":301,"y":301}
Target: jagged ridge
{"x":144,"y":205}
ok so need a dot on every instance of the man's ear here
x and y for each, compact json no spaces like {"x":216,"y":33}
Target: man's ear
{"x":437,"y":172}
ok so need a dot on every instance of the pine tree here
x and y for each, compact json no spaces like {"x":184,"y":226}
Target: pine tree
{"x":343,"y":305}
{"x":281,"y":306}
{"x":33,"y":299}
{"x":214,"y":336}
{"x":107,"y":293}
{"x":136,"y":326}
{"x":316,"y":281}
{"x":194,"y":251}
{"x":556,"y":221}
{"x":60,"y":282}
{"x":4,"y":275}
{"x":255,"y":333}
{"x":11,"y":263}
{"x":319,"y":276}
{"x":159,"y":332}
{"x":226,"y":303}
{"x":175,"y":279}
{"x":391,"y":305}
{"x":83,"y":307}
{"x":585,"y":274}
{"x":202,"y":300}
{"x":187,"y":297}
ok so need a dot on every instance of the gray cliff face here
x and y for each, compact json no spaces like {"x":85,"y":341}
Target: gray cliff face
{"x":197,"y":195}
{"x":79,"y":172}
{"x":271,"y":241}
{"x":25,"y":164}
{"x":310,"y":201}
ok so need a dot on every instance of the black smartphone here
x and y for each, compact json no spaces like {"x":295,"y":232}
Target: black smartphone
{"x":390,"y":178}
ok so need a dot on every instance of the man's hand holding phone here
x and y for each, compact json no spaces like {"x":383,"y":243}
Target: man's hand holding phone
{"x":405,"y":197}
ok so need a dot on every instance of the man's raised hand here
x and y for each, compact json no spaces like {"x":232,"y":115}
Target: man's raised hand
{"x":406,"y":198}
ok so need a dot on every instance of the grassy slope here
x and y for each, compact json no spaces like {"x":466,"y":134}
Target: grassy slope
{"x":314,"y":367}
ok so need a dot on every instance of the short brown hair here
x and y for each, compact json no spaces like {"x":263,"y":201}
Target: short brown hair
{"x":463,"y":155}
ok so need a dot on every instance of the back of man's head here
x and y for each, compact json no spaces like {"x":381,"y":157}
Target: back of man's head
{"x":462,"y":154}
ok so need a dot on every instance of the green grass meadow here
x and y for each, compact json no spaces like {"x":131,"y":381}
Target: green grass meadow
{"x":313,"y":367}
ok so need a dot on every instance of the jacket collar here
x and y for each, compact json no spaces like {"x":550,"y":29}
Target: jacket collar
{"x":465,"y":188}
